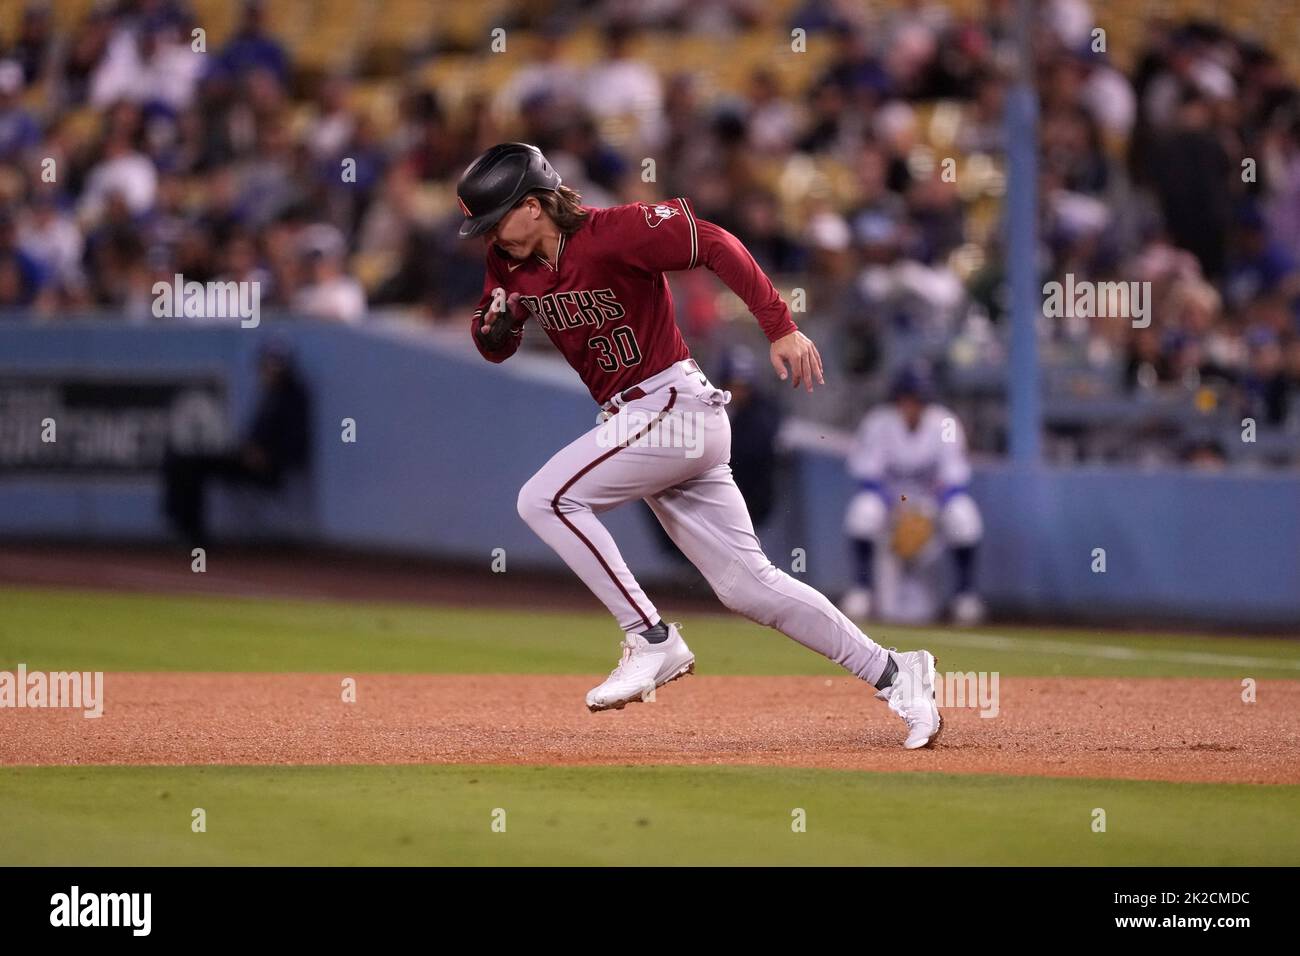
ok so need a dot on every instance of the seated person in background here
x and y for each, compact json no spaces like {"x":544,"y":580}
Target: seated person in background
{"x":277,"y":443}
{"x":916,"y":448}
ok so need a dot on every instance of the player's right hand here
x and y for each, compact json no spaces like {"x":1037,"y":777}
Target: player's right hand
{"x":497,"y":325}
{"x":805,"y":361}
{"x":514,"y":310}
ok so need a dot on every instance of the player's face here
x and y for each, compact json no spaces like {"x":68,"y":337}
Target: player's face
{"x":910,"y":407}
{"x":518,"y":231}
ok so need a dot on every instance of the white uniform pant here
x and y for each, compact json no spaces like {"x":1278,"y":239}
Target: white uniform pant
{"x":672,"y":448}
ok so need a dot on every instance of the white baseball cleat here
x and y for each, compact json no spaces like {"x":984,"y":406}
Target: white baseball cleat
{"x":911,"y":696}
{"x":644,"y":667}
{"x":856,"y":604}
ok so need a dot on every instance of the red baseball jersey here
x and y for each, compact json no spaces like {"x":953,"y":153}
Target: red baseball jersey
{"x":605,"y":301}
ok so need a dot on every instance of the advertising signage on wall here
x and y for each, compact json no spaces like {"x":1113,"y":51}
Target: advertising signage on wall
{"x":81,"y":423}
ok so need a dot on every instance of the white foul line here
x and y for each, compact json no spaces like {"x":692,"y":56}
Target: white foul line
{"x":1110,"y":651}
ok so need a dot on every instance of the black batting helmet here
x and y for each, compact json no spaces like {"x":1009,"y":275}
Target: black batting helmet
{"x":493,"y":183}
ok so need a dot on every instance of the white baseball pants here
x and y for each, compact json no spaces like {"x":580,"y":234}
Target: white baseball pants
{"x":672,"y":447}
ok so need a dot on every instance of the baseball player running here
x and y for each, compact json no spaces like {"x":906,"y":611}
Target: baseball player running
{"x":593,"y":280}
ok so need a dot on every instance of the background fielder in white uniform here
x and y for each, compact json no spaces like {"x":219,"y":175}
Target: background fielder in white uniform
{"x":912,"y":448}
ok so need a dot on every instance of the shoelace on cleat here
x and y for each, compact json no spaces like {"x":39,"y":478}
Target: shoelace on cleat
{"x":893,"y":696}
{"x":628,"y":646}
{"x":909,"y":718}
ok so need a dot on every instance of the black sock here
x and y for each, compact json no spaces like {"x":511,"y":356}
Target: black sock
{"x":865,"y":552}
{"x":891,"y":669}
{"x":964,"y":559}
{"x":657,"y":634}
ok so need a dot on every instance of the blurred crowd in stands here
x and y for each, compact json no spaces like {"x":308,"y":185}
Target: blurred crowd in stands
{"x":872,"y":182}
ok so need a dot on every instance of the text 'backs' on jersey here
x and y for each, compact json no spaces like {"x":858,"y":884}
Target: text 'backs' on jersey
{"x":605,"y":302}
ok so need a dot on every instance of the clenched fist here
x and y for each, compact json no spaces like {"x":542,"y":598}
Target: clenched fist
{"x":499,"y":324}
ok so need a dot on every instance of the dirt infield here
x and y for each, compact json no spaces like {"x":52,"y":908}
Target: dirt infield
{"x":1133,"y":728}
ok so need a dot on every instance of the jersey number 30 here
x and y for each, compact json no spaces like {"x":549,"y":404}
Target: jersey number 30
{"x":621,"y":352}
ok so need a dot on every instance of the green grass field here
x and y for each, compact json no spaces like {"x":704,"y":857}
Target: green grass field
{"x":51,"y":630}
{"x":427,"y":815}
{"x":593,"y":815}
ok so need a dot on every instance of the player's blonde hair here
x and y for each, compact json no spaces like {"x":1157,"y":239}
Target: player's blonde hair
{"x":564,"y":206}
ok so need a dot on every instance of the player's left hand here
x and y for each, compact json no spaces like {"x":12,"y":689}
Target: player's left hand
{"x":797,"y":350}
